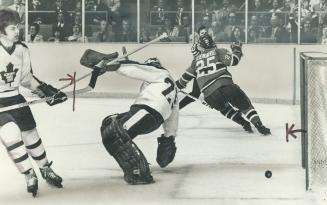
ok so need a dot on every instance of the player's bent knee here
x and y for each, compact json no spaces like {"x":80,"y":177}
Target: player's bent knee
{"x":10,"y":133}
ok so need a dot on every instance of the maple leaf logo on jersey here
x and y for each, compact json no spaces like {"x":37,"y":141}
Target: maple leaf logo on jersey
{"x":9,"y":75}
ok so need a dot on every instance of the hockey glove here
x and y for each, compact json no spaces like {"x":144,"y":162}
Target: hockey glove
{"x":179,"y":85}
{"x":45,"y":90}
{"x":237,"y":48}
{"x":166,"y":150}
{"x":195,"y":50}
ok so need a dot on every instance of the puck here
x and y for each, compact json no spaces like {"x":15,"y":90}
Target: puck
{"x":268,"y":174}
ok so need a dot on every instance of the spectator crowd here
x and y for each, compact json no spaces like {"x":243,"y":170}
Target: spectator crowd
{"x":269,"y":21}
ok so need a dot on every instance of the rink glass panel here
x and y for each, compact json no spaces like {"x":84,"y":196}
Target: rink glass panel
{"x":224,"y":19}
{"x":314,"y":118}
{"x":46,"y":15}
{"x":141,"y":27}
{"x":111,"y":22}
{"x":171,"y":16}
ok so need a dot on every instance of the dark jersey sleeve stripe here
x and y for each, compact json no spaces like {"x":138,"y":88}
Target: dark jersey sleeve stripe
{"x":187,"y":76}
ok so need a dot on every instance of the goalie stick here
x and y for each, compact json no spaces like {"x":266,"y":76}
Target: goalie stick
{"x":88,"y":88}
{"x":91,"y":85}
{"x":164,"y":35}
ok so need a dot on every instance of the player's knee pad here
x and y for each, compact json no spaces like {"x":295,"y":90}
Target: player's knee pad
{"x":129,"y":157}
{"x":10,"y":133}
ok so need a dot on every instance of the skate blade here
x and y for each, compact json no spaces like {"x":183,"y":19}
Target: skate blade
{"x":248,"y":130}
{"x":57,"y":185}
{"x":141,"y":182}
{"x":34,"y":193}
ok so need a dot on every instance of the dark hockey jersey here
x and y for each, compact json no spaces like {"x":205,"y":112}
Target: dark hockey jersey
{"x":209,"y":68}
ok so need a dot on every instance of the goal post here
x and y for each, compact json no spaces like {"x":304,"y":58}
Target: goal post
{"x":313,"y":82}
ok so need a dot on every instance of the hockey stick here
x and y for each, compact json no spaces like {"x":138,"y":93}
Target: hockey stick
{"x":88,"y":88}
{"x":164,"y":35}
{"x":195,"y":99}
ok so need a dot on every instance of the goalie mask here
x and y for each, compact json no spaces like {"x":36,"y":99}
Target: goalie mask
{"x":205,"y":39}
{"x":153,"y":61}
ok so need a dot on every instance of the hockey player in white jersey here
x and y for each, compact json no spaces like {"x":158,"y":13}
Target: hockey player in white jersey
{"x":155,"y":104}
{"x":17,"y":127}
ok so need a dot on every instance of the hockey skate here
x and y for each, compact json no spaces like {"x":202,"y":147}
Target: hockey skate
{"x":50,"y":176}
{"x":262,"y":129}
{"x":135,"y":178}
{"x":166,"y":150}
{"x":31,"y":182}
{"x":247,"y":127}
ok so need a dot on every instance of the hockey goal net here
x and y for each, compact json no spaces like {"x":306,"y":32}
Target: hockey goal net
{"x":313,"y":77}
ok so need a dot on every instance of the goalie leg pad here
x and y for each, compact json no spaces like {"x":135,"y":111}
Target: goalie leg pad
{"x":129,"y":157}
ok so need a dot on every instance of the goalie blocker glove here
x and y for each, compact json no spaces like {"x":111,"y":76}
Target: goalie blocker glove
{"x":46,"y":90}
{"x":166,"y":150}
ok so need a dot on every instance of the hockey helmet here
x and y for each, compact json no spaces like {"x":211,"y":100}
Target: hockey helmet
{"x":205,"y":40}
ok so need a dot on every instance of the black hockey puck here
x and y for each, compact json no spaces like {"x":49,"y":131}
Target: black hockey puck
{"x":268,"y":174}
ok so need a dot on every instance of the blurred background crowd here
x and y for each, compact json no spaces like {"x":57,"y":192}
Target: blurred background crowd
{"x":261,"y":21}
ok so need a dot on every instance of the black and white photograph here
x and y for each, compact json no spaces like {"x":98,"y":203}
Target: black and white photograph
{"x":213,"y":102}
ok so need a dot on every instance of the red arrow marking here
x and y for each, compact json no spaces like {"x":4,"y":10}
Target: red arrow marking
{"x":72,"y":81}
{"x":290,"y":131}
{"x":71,"y":78}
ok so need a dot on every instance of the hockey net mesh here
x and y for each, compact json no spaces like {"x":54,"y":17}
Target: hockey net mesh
{"x":317,"y":123}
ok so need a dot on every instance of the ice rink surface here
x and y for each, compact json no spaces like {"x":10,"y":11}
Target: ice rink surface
{"x":216,"y":161}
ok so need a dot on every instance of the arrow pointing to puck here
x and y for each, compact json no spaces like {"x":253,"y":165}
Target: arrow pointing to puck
{"x":290,"y":131}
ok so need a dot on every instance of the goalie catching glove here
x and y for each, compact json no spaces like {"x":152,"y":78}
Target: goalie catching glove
{"x":46,"y":90}
{"x":94,"y":59}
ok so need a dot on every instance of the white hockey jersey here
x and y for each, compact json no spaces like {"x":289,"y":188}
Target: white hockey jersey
{"x":158,"y":91}
{"x":15,"y":70}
